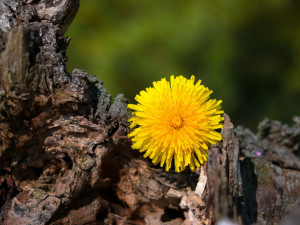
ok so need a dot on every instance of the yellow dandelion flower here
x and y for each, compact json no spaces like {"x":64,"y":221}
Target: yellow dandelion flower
{"x":177,"y":120}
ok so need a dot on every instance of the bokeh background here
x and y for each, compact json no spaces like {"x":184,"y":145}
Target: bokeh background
{"x":247,"y":52}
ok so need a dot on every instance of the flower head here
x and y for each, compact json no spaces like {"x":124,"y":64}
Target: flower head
{"x":177,"y":120}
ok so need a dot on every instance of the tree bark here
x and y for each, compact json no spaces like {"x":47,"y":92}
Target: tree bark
{"x":65,"y":157}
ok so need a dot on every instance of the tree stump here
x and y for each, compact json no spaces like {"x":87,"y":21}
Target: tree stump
{"x":65,"y":157}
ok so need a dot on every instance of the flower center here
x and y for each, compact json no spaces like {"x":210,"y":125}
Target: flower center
{"x":177,"y":122}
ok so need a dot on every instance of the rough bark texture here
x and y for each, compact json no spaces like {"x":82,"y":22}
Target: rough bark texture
{"x":65,"y":158}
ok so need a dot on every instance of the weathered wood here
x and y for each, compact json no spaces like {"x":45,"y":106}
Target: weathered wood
{"x":65,"y":158}
{"x":255,"y":178}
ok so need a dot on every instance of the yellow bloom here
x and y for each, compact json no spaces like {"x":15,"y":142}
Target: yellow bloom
{"x":176,"y":119}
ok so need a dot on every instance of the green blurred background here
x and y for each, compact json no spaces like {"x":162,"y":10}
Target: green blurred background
{"x":247,"y":52}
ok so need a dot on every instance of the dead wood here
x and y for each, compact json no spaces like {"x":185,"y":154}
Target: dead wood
{"x":65,"y":158}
